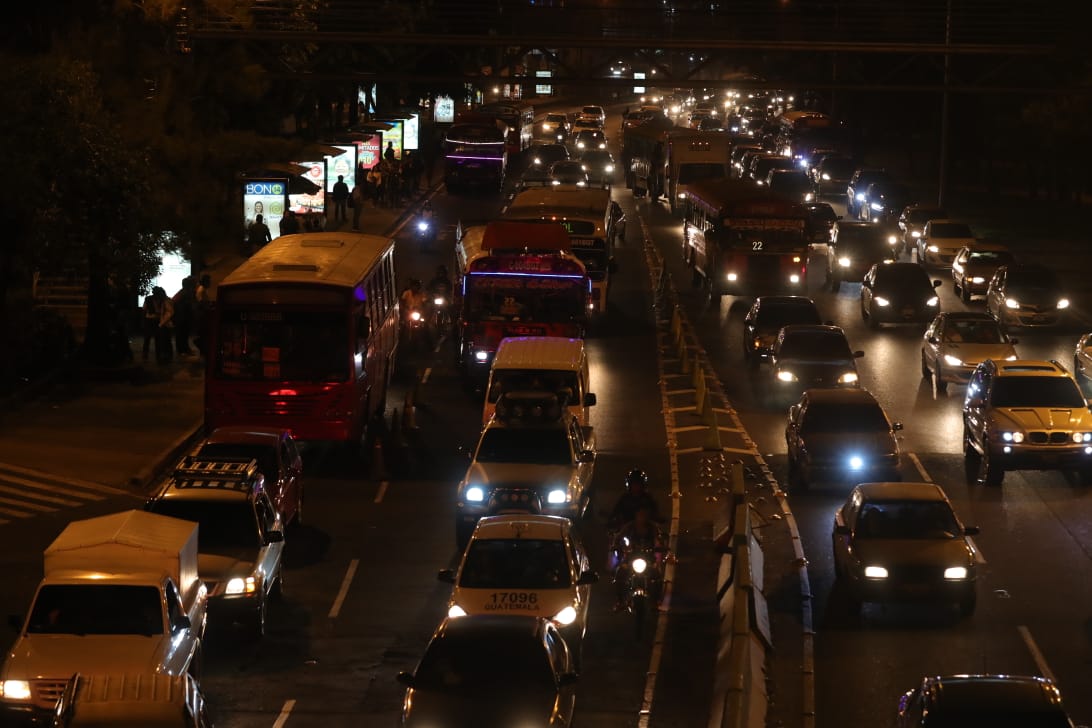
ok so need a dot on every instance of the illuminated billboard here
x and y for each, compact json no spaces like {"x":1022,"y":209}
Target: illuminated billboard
{"x":265,"y":198}
{"x":411,"y":132}
{"x":343,"y":164}
{"x":303,"y":203}
{"x":173,"y":268}
{"x":444,"y":112}
{"x":370,"y":151}
{"x":393,"y":136}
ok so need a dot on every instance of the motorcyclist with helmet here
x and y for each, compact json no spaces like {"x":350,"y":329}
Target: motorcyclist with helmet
{"x":635,"y":496}
{"x":640,"y":536}
{"x":439,"y":294}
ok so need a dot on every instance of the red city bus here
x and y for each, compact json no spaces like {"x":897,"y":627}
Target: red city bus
{"x":743,"y":240}
{"x":303,"y":337}
{"x":515,"y":279}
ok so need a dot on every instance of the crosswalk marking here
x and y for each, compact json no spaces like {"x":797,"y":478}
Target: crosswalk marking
{"x":73,"y":482}
{"x":27,"y":504}
{"x":39,"y":485}
{"x":14,"y":513}
{"x":41,"y":496}
{"x":26,"y":493}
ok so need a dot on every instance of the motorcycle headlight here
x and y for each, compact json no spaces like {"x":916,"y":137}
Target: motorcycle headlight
{"x":455,"y":611}
{"x":848,"y":378}
{"x":786,"y":376}
{"x":639,"y":565}
{"x":977,"y":280}
{"x":1063,"y":303}
{"x":1012,"y":303}
{"x":557,"y":496}
{"x":933,"y":301}
{"x":1082,"y":437}
{"x":475,"y":494}
{"x":844,"y":262}
{"x":15,"y":690}
{"x":1016,"y":437}
{"x":881,"y":301}
{"x":953,"y":361}
{"x":875,"y":572}
{"x":239,"y":585}
{"x":955,"y":573}
{"x":415,"y":315}
{"x":566,"y":616}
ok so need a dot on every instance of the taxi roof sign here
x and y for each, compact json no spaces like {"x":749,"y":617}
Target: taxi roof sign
{"x":505,"y":235}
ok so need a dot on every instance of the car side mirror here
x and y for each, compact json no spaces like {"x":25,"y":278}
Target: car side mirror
{"x":933,"y":340}
{"x":858,"y":354}
{"x":589,"y":399}
{"x":896,"y":426}
{"x":446,"y":575}
{"x":15,"y":622}
{"x":842,"y":530}
{"x":588,"y":578}
{"x":971,"y":531}
{"x":406,"y":678}
{"x":936,"y":283}
{"x":586,"y":456}
{"x":275,"y":537}
{"x":567,"y":678}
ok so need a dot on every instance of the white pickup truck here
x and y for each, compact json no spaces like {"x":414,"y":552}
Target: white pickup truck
{"x":120,"y":595}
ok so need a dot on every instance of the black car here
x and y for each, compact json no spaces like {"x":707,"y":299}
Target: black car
{"x":999,"y":701}
{"x":886,"y":201}
{"x":807,"y":355}
{"x":767,"y":316}
{"x":843,"y":434}
{"x":821,"y":219}
{"x":832,"y":173}
{"x":491,"y":670}
{"x":898,"y":293}
{"x":543,"y":155}
{"x":1027,"y":294}
{"x":791,"y":183}
{"x":858,"y":186}
{"x":854,"y":248}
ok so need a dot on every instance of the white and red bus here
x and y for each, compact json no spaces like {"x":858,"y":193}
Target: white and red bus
{"x":303,"y":336}
{"x":515,"y":279}
{"x":743,"y":240}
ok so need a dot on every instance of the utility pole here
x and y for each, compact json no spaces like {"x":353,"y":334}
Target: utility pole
{"x":942,"y":183}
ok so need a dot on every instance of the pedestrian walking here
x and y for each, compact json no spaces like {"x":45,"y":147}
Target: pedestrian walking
{"x":151,"y":322}
{"x":184,"y":303}
{"x":357,"y":199}
{"x":360,"y":175}
{"x":158,"y":323}
{"x":341,"y":198}
{"x":257,"y":235}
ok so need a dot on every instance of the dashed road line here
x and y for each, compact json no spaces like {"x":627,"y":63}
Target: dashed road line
{"x":286,"y":711}
{"x":343,"y":592}
{"x":427,"y":373}
{"x":1036,"y":653}
{"x":381,"y":492}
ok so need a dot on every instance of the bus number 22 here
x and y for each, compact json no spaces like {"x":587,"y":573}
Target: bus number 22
{"x":756,"y":245}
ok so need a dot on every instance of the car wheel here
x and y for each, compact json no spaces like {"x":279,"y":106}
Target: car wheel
{"x":967,"y":605}
{"x":990,"y":472}
{"x":964,"y":294}
{"x":925,"y":373}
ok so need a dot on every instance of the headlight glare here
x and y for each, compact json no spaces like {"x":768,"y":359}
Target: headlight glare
{"x":786,"y":376}
{"x":1082,"y":437}
{"x":455,"y":611}
{"x":1063,"y":303}
{"x":239,"y":585}
{"x":826,"y":177}
{"x":881,"y":301}
{"x":933,"y":248}
{"x":566,"y":616}
{"x":932,"y":301}
{"x":15,"y":690}
{"x":877,"y":207}
{"x":844,"y":262}
{"x":977,"y":280}
{"x":475,"y":494}
{"x":848,"y":378}
{"x":556,"y":496}
{"x":1012,"y":303}
{"x":915,"y":234}
{"x":955,"y":573}
{"x":953,"y":361}
{"x":1016,"y":437}
{"x":875,"y":572}
{"x":856,"y":462}
{"x":639,"y":565}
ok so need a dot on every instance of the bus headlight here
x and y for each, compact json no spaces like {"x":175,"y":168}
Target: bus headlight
{"x":475,"y":494}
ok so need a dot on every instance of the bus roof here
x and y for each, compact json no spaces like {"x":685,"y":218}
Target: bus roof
{"x":568,"y":202}
{"x":736,"y":196}
{"x":336,"y":259}
{"x":507,"y":235}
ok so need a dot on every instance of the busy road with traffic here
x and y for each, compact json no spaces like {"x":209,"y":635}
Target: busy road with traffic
{"x":361,"y":596}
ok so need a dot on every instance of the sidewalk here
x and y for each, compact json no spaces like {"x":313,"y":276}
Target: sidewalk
{"x":118,"y":433}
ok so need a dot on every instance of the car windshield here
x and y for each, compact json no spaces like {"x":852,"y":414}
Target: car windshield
{"x":950,"y":230}
{"x":922,"y":215}
{"x":990,"y":257}
{"x":907,"y":520}
{"x":83,"y":609}
{"x":837,"y":168}
{"x":1033,"y":280}
{"x":552,"y":153}
{"x":772,"y":318}
{"x":221,"y":524}
{"x":528,"y":446}
{"x":981,"y":331}
{"x":831,"y":345}
{"x":476,"y":663}
{"x":596,"y":156}
{"x":1037,"y":392}
{"x":982,"y":715}
{"x":902,"y":279}
{"x":844,"y":417}
{"x":282,"y":344}
{"x":518,"y":563}
{"x":822,"y":212}
{"x":266,"y":456}
{"x":863,"y":239}
{"x":532,"y":380}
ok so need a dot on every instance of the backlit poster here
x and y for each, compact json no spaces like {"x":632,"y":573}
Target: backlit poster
{"x":343,"y":164}
{"x":173,"y":267}
{"x":303,"y":203}
{"x":444,"y":112}
{"x":410,"y":133}
{"x":543,"y":89}
{"x":265,"y":198}
{"x":370,"y":151}
{"x":393,"y":136}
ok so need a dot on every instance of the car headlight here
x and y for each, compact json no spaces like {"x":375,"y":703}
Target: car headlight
{"x":809,"y":196}
{"x":826,"y":177}
{"x":437,"y":301}
{"x":1082,"y":437}
{"x":455,"y":611}
{"x":566,"y":616}
{"x":239,"y":585}
{"x":1012,"y":303}
{"x":953,"y":361}
{"x":557,"y":496}
{"x":609,"y":168}
{"x":794,"y":278}
{"x":955,"y":573}
{"x":475,"y":494}
{"x":881,"y":301}
{"x":1010,"y":357}
{"x":856,"y":462}
{"x":733,"y":277}
{"x":860,"y":197}
{"x":538,"y":161}
{"x":977,"y":279}
{"x":1063,"y":303}
{"x":844,"y":262}
{"x":15,"y":690}
{"x":602,"y":145}
{"x":892,"y":240}
{"x":682,"y":195}
{"x":915,"y":234}
{"x":580,"y":145}
{"x":555,"y":181}
{"x":784,"y":376}
{"x":876,"y":207}
{"x":481,"y":355}
{"x":639,"y":565}
{"x":932,"y":248}
{"x":581,"y":183}
{"x":875,"y":572}
{"x":1016,"y":437}
{"x":932,"y":301}
{"x":848,"y":378}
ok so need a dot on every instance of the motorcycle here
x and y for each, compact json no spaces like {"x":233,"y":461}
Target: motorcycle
{"x":641,"y":573}
{"x":425,"y":232}
{"x":441,"y":309}
{"x":414,"y":329}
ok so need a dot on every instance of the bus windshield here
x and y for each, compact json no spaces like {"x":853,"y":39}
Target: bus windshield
{"x":525,"y":297}
{"x":279,"y":345}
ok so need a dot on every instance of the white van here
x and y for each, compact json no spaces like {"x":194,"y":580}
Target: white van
{"x":550,"y":363}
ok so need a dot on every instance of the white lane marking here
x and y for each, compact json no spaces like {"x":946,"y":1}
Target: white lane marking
{"x":39,"y":475}
{"x":26,"y":504}
{"x":1036,"y":653}
{"x":381,"y":492}
{"x":15,"y":513}
{"x":921,"y":468}
{"x":344,"y":590}
{"x":286,"y":710}
{"x":39,"y":496}
{"x":426,"y":375}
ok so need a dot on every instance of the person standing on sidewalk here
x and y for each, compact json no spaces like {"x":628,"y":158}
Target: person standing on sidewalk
{"x":341,"y":198}
{"x":184,"y":304}
{"x":257,"y":235}
{"x":151,"y":322}
{"x":388,"y":154}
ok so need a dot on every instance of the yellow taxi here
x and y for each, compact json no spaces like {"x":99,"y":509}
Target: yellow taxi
{"x":525,"y":564}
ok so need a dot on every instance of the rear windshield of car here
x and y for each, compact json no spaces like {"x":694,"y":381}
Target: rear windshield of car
{"x":1037,"y":392}
{"x":990,"y":257}
{"x":1033,"y":279}
{"x":530,"y":446}
{"x":863,"y":238}
{"x":221,"y":524}
{"x":524,"y":563}
{"x":477,"y":663}
{"x":923,"y":215}
{"x":907,"y":520}
{"x":950,"y":230}
{"x":774,"y":317}
{"x":844,"y":417}
{"x":815,"y":345}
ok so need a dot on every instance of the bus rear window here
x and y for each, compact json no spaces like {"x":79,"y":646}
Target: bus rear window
{"x":309,"y":346}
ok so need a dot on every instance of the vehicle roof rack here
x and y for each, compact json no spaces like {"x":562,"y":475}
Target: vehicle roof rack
{"x":222,"y":472}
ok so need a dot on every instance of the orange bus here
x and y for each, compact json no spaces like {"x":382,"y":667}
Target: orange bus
{"x":515,"y":279}
{"x":303,"y":337}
